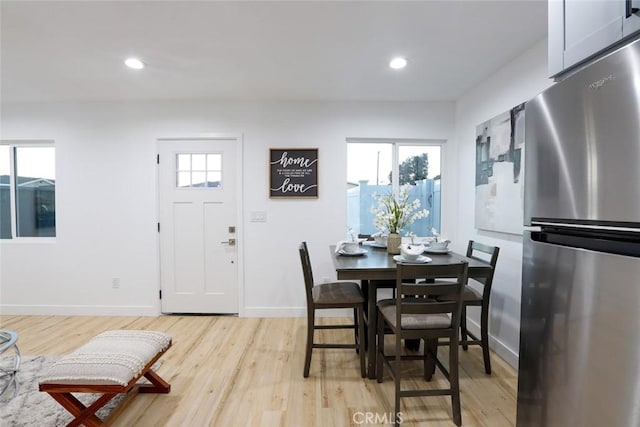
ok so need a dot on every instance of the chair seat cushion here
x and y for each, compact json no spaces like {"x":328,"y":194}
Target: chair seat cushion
{"x":337,"y":293}
{"x":110,"y":358}
{"x":413,"y":321}
{"x":471,"y":294}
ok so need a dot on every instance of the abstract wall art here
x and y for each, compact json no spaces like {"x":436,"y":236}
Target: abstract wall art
{"x":500,"y":173}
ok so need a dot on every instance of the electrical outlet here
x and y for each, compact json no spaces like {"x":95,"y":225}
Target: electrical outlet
{"x":115,"y":283}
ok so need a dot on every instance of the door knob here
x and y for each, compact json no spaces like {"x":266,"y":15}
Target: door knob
{"x":230,"y":242}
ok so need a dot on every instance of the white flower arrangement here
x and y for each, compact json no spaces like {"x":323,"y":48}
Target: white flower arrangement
{"x":435,"y":233}
{"x":393,"y":214}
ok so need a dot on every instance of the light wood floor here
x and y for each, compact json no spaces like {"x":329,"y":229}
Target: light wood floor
{"x":229,"y":371}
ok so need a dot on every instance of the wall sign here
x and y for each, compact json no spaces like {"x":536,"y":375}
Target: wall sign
{"x":293,"y":172}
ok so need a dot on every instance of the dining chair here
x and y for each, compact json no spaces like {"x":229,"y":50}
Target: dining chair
{"x":417,"y":314}
{"x":326,"y":296}
{"x":475,"y":298}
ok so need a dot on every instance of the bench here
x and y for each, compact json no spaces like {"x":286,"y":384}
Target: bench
{"x":109,"y":364}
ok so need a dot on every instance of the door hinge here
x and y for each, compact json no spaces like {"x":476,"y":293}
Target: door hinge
{"x":160,"y":293}
{"x":158,"y":159}
{"x":158,"y":227}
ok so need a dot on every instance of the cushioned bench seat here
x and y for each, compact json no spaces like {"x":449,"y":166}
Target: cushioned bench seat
{"x":110,"y":363}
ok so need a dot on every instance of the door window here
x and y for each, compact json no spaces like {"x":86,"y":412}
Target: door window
{"x":198,"y":170}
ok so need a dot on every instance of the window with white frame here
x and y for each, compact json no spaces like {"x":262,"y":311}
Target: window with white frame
{"x":382,"y":167}
{"x":27,"y":190}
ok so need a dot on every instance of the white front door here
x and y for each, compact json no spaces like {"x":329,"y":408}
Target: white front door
{"x":198,"y":235}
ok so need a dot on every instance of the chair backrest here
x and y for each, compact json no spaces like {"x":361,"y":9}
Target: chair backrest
{"x":433,"y":281}
{"x":307,"y":272}
{"x":491,"y":252}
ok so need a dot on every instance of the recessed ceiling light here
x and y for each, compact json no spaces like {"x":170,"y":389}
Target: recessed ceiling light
{"x":398,"y":63}
{"x":134,"y":63}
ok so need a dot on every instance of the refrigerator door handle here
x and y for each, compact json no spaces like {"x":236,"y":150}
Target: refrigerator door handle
{"x":602,"y":241}
{"x":567,"y":225}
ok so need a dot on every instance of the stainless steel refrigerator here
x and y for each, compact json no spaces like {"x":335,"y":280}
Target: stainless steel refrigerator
{"x":579,"y":360}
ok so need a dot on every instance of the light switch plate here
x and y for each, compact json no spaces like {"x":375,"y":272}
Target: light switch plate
{"x":258,"y":216}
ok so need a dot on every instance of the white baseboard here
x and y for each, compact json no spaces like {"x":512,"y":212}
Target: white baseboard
{"x":78,"y":310}
{"x":501,"y":349}
{"x":292,"y":312}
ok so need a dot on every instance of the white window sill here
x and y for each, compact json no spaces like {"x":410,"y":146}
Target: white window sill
{"x":28,"y":240}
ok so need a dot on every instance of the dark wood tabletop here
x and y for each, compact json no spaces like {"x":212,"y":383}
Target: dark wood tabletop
{"x":377,"y":264}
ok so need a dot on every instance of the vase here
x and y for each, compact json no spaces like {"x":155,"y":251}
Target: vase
{"x":393,"y":243}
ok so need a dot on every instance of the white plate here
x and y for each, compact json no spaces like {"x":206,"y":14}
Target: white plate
{"x":420,"y":260}
{"x":358,"y":253}
{"x":374,"y":245}
{"x":437,"y":251}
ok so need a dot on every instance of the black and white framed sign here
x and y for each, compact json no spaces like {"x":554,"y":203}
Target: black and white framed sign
{"x":293,"y":172}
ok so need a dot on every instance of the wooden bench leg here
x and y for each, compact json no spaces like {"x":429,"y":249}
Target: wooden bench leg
{"x":158,"y":385}
{"x":83,"y":415}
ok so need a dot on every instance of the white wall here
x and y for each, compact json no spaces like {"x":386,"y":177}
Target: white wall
{"x":106,"y":197}
{"x":515,"y":83}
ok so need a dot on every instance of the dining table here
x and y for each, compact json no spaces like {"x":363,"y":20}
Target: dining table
{"x":372,"y":265}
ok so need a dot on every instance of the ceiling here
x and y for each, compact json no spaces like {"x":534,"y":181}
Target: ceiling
{"x":242,"y":50}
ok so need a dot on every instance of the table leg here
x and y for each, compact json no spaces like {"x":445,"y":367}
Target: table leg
{"x":371,"y":331}
{"x":413,"y":345}
{"x":431,"y":354}
{"x":364,"y":285}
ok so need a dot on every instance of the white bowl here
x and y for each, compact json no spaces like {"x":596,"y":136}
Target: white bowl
{"x":411,"y":252}
{"x":380,"y":240}
{"x":439,"y":246}
{"x":351,"y":247}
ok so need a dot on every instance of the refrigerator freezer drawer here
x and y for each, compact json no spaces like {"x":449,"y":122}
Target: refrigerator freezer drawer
{"x":579,"y":340}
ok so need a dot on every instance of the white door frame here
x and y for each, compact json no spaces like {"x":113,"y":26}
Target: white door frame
{"x":239,"y":138}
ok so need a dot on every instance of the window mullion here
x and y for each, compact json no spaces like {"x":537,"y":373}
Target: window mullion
{"x":395,"y":168}
{"x":12,"y":191}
